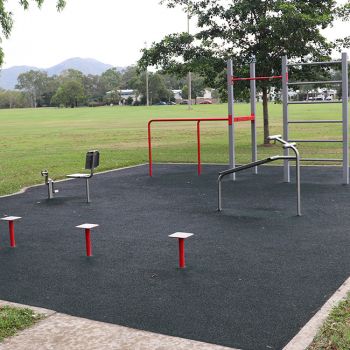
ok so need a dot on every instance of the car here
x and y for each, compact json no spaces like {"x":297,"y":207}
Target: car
{"x":205,"y":102}
{"x":184,"y":102}
{"x":171,"y":103}
{"x":161,"y":103}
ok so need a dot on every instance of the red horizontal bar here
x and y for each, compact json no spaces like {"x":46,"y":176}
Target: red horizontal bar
{"x":188,"y":120}
{"x":245,"y":118}
{"x":257,"y":78}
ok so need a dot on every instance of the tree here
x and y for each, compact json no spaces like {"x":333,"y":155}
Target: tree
{"x":197,"y":88}
{"x":33,"y":83}
{"x":69,"y":94}
{"x":13,"y":99}
{"x":245,"y":30}
{"x":94,"y":88}
{"x":6,"y":18}
{"x":111,"y":79}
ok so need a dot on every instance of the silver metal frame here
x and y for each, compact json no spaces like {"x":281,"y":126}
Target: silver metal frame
{"x":345,"y":113}
{"x":50,"y":184}
{"x":286,"y":145}
{"x":286,"y":168}
{"x":231,"y":130}
{"x":253,"y":112}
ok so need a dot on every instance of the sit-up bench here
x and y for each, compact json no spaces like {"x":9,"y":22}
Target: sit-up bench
{"x":92,"y":162}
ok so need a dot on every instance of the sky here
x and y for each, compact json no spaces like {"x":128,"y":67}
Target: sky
{"x":111,"y":31}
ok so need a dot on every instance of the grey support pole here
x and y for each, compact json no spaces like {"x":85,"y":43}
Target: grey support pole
{"x":253,"y":112}
{"x":231,"y":133}
{"x":345,"y":99}
{"x":286,"y":167}
{"x":87,"y":191}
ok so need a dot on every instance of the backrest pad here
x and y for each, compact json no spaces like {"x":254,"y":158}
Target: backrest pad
{"x":92,"y":159}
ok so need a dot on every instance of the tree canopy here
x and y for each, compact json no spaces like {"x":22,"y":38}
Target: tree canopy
{"x":6,"y":18}
{"x":247,"y":30}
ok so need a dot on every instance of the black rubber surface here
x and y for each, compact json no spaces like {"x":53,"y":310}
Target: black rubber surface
{"x":255,"y":273}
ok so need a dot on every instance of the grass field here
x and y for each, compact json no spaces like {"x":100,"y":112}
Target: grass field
{"x":335,"y":332}
{"x":57,"y":139}
{"x":14,"y":319}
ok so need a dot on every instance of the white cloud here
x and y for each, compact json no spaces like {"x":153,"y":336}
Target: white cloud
{"x":112,"y":31}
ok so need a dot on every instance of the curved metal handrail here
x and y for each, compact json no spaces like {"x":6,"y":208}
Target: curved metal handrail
{"x":286,"y":145}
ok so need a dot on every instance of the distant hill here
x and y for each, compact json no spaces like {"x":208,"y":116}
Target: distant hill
{"x":8,"y":76}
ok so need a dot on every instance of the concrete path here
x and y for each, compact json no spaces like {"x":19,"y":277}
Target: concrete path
{"x":62,"y":332}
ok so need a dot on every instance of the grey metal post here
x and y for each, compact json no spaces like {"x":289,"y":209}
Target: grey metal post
{"x":253,"y":112}
{"x":297,"y":170}
{"x":286,"y":167}
{"x":345,"y":98}
{"x":219,"y":194}
{"x":231,"y":133}
{"x":297,"y":174}
{"x":87,"y":191}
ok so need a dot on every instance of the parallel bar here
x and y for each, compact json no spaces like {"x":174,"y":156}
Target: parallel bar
{"x":311,"y":102}
{"x":260,"y":162}
{"x":345,"y":98}
{"x":316,"y":82}
{"x":253,"y":164}
{"x":313,"y":121}
{"x":286,"y":166}
{"x":321,"y":160}
{"x":231,"y":131}
{"x":340,"y":141}
{"x":312,"y":63}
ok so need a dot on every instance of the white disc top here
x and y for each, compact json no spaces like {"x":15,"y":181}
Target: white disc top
{"x":87,"y":226}
{"x":181,"y":235}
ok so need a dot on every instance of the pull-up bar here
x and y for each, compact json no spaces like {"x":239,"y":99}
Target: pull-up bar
{"x":257,"y":78}
{"x":198,"y":120}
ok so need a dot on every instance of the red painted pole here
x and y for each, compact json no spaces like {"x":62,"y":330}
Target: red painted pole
{"x":150,"y":148}
{"x":181,"y":253}
{"x":88,"y":242}
{"x":12,"y":234}
{"x":199,"y":148}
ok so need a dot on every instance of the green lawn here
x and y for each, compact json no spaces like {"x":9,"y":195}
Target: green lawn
{"x":335,"y":333}
{"x":13,"y":319}
{"x":57,"y":139}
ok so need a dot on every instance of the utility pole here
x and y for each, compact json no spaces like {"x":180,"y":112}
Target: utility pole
{"x":147,"y":92}
{"x":189,"y":73}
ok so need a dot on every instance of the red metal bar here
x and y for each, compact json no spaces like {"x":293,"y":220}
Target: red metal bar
{"x":88,"y":242}
{"x":12,"y":234}
{"x":245,"y":118}
{"x":199,"y":166}
{"x":198,"y":120}
{"x":181,"y":253}
{"x":257,"y":78}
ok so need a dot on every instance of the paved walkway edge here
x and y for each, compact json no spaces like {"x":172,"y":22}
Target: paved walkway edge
{"x":306,"y":335}
{"x":60,"y":332}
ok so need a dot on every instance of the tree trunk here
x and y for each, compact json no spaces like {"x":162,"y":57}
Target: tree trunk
{"x":266,"y":116}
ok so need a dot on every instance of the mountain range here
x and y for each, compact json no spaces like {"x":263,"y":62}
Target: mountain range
{"x":8,"y":76}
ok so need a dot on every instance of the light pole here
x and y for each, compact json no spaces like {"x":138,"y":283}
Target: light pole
{"x":189,"y":73}
{"x":147,"y":92}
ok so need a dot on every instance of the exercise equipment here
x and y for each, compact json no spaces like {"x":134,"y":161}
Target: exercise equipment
{"x":286,"y":146}
{"x":343,"y":120}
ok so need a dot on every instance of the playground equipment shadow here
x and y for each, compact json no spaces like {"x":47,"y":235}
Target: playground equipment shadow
{"x":255,"y":272}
